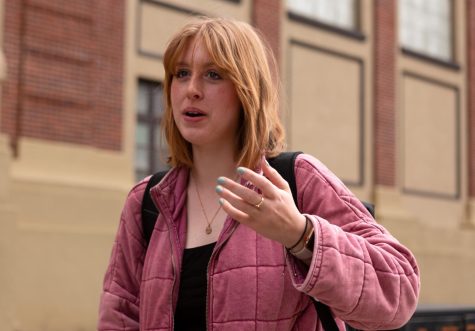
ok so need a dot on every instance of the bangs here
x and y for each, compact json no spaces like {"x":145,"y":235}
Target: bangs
{"x":219,"y":51}
{"x":172,"y":58}
{"x":217,"y":43}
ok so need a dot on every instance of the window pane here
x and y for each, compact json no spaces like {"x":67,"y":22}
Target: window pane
{"x":142,"y":134}
{"x":141,"y":160}
{"x":425,"y":27}
{"x":150,"y":151}
{"x":143,"y":102}
{"x":161,"y":151}
{"x":142,"y":147}
{"x":158,"y":102}
{"x":341,"y":13}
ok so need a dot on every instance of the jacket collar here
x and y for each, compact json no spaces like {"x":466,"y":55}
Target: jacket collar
{"x":170,"y":194}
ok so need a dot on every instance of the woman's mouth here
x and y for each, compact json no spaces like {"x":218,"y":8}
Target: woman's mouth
{"x":194,"y":114}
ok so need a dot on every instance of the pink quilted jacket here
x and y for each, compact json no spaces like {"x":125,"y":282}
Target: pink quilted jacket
{"x":365,"y":275}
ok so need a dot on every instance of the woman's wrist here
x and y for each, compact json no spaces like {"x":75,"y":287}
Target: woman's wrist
{"x":303,"y":249}
{"x":304,"y":244}
{"x":303,"y":236}
{"x":296,"y":244}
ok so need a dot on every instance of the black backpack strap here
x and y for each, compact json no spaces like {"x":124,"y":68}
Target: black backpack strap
{"x":284,"y":163}
{"x":325,"y":316}
{"x":149,"y":211}
{"x":369,"y":207}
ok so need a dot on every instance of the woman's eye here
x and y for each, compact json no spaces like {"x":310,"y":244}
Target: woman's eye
{"x":181,"y":73}
{"x":213,"y":75}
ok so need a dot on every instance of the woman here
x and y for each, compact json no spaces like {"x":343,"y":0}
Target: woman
{"x":230,"y":250}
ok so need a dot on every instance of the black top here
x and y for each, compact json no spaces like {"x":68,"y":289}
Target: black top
{"x":190,"y":311}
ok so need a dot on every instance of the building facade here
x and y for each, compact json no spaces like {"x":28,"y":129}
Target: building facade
{"x":382,"y":91}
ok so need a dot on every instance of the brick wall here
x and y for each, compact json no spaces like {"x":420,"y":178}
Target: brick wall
{"x":385,"y":90}
{"x":471,"y":91}
{"x":65,"y":71}
{"x":266,"y":17}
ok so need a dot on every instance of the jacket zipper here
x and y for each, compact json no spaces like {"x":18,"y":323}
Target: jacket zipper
{"x":216,"y":248}
{"x":173,"y":285}
{"x":219,"y":244}
{"x":154,"y":195}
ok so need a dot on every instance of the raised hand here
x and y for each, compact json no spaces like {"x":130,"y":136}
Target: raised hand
{"x":270,"y":210}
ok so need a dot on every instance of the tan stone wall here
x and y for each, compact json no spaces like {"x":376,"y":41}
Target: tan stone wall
{"x":7,"y":216}
{"x":7,"y":241}
{"x":59,"y":207}
{"x":445,"y":256}
{"x":427,"y":207}
{"x":322,"y":122}
{"x":67,"y":203}
{"x":471,"y":90}
{"x":328,"y":79}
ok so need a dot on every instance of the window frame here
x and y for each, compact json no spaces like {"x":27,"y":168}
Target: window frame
{"x":317,"y":23}
{"x":152,"y":121}
{"x":420,"y":55}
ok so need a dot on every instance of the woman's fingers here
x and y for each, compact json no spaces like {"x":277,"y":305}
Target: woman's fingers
{"x":274,"y":176}
{"x":268,"y":182}
{"x":235,"y":213}
{"x":237,"y":201}
{"x":248,"y":199}
{"x":266,"y":187}
{"x":249,"y":196}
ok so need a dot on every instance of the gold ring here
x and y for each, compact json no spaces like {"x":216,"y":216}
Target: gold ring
{"x":259,"y":204}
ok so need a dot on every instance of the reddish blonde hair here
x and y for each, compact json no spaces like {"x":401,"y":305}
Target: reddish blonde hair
{"x":238,"y":50}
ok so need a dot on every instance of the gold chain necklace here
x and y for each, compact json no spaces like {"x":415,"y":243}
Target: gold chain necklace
{"x":208,"y":229}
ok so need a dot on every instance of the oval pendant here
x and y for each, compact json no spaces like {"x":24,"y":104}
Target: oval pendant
{"x":208,"y":229}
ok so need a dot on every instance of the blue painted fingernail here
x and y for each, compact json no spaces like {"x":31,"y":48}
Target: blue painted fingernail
{"x":241,"y":170}
{"x":221,"y":201}
{"x":219,"y":189}
{"x":221,"y":180}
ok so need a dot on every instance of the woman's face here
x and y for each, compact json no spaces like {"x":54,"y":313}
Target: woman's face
{"x":205,"y":104}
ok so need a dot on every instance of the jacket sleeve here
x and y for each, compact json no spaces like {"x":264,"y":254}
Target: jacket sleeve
{"x":120,"y":299}
{"x":358,"y":269}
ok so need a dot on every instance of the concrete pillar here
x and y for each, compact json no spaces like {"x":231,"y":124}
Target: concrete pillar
{"x":7,"y":218}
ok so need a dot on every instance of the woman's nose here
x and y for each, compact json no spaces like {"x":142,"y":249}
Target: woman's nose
{"x":195,"y":90}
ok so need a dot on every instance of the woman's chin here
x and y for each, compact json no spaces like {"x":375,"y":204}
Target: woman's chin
{"x":194,"y":140}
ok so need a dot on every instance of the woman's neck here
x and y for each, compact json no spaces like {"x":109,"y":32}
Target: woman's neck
{"x":209,"y":165}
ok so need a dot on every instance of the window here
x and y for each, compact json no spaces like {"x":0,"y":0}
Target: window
{"x":150,"y":149}
{"x":426,"y":27}
{"x":339,"y":13}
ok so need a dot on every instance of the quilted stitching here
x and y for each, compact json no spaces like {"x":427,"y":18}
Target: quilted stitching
{"x":253,"y":280}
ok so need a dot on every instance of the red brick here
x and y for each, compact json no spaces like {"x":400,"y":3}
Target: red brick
{"x":71,"y":84}
{"x":385,"y":91}
{"x":266,"y":18}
